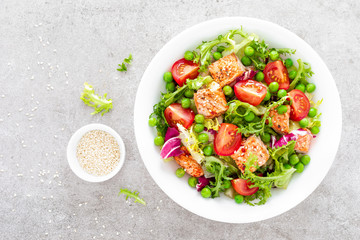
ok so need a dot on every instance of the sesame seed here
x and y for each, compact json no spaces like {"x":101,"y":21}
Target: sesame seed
{"x":98,"y":152}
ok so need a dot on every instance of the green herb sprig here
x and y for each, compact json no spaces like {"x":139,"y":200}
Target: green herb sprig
{"x":134,"y":195}
{"x":122,"y":66}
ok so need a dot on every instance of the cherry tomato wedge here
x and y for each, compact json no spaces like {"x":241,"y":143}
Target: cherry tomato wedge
{"x":250,"y":91}
{"x":300,"y":105}
{"x":242,"y":187}
{"x":277,"y":72}
{"x":175,"y":113}
{"x":184,"y":69}
{"x":227,"y":139}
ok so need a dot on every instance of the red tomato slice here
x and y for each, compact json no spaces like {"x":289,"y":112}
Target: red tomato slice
{"x":250,"y":91}
{"x":175,"y":113}
{"x":277,"y":72}
{"x":227,"y":140}
{"x":242,"y":187}
{"x":300,"y":105}
{"x":184,"y":69}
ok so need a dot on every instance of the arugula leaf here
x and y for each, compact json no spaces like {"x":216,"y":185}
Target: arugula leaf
{"x":134,"y":195}
{"x":217,"y":167}
{"x":303,"y":73}
{"x":100,"y":104}
{"x":122,"y":66}
{"x":230,"y":46}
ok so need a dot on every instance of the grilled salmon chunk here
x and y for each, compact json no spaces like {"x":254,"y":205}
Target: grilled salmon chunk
{"x":190,"y":166}
{"x":252,"y":145}
{"x":211,"y":101}
{"x":302,"y":144}
{"x":280,"y":122}
{"x":226,"y":69}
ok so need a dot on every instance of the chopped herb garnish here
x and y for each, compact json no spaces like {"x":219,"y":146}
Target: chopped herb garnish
{"x":122,"y":66}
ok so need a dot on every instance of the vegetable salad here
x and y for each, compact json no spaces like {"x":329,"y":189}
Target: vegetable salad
{"x":237,"y":117}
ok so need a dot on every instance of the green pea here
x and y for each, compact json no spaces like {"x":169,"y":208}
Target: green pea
{"x":312,"y":112}
{"x":249,"y":51}
{"x":226,"y":184}
{"x":152,"y":122}
{"x":180,"y":172}
{"x":205,"y":192}
{"x":315,"y":130}
{"x":304,"y":123}
{"x":300,"y":87}
{"x":246,"y":60}
{"x":203,"y":138}
{"x":189,"y":93}
{"x":266,"y":137}
{"x":259,"y":76}
{"x":274,"y":55}
{"x":281,"y":93}
{"x":189,"y":55}
{"x":192,"y":181}
{"x":168,"y":77}
{"x":267,"y":97}
{"x":282,"y":109}
{"x":292,"y":74}
{"x":208,"y":151}
{"x":227,"y":90}
{"x":170,"y":87}
{"x":299,"y":167}
{"x":199,"y":118}
{"x":185,"y":103}
{"x":199,"y":127}
{"x":294,"y":159}
{"x":305,"y":159}
{"x":239,"y":199}
{"x":287,"y":166}
{"x":274,"y":86}
{"x":159,"y":141}
{"x":220,"y":49}
{"x":249,"y":117}
{"x":217,"y":55}
{"x":288,"y":62}
{"x":310,"y":87}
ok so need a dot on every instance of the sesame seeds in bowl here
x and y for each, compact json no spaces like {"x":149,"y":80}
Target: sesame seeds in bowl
{"x":96,"y":153}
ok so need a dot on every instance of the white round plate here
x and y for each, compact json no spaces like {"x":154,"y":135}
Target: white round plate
{"x":73,"y":161}
{"x":323,"y":148}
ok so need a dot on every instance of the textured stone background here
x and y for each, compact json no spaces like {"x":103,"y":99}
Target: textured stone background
{"x":49,"y":48}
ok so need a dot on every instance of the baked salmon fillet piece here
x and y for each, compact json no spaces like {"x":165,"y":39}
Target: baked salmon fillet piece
{"x":210,"y":101}
{"x":302,"y":144}
{"x":280,"y":122}
{"x":225,"y":70}
{"x":189,"y":164}
{"x":252,"y":145}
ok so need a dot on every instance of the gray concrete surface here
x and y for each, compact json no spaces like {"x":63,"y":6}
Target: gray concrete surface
{"x":48,"y":49}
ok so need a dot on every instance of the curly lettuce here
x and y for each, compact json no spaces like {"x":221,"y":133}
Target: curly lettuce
{"x":238,"y":110}
{"x":192,"y":144}
{"x":280,"y":178}
{"x":221,"y":173}
{"x":227,"y":40}
{"x":100,"y":104}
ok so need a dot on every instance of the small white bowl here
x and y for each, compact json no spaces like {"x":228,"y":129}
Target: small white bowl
{"x":73,"y":161}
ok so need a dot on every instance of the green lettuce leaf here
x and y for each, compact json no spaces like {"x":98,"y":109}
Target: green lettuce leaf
{"x":100,"y":104}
